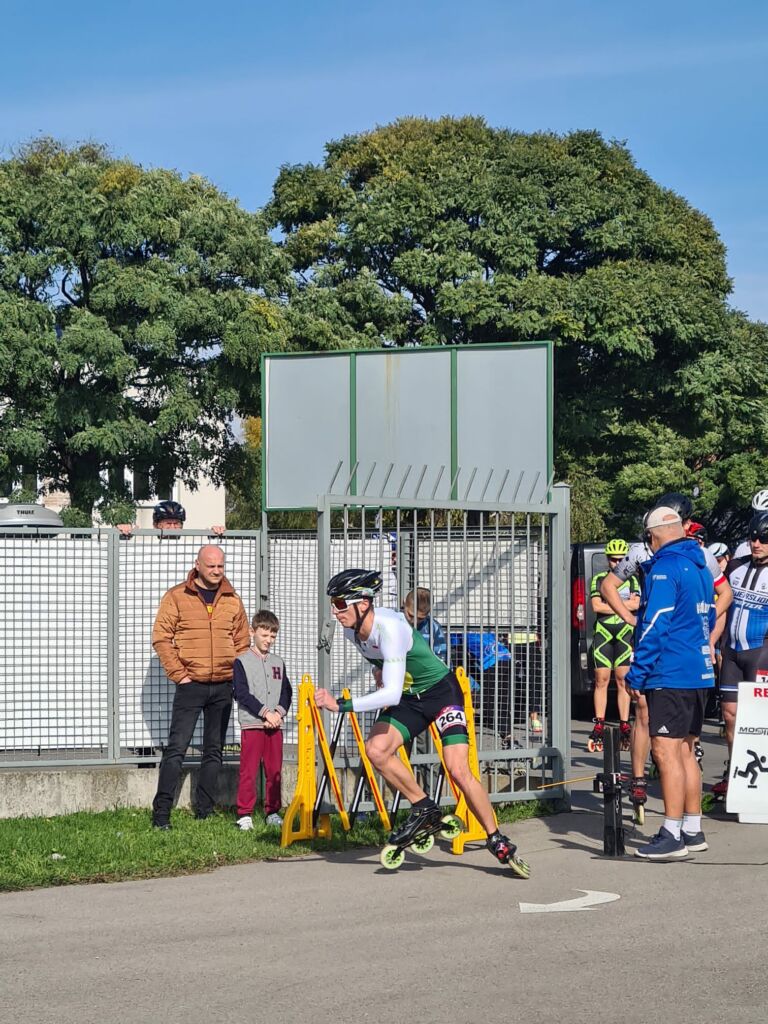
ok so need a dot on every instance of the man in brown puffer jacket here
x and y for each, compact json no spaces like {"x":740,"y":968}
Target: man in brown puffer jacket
{"x":199,"y":630}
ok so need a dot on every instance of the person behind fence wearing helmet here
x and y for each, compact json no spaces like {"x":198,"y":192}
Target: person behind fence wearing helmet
{"x":745,"y":650}
{"x":759,"y":504}
{"x":612,"y":646}
{"x":415,"y":689}
{"x":167,"y":515}
{"x":672,"y":667}
{"x":632,"y":565}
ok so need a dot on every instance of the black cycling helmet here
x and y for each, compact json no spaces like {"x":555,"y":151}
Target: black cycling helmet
{"x":758,"y":524}
{"x":681,"y":503}
{"x":354,"y":583}
{"x":168,"y":510}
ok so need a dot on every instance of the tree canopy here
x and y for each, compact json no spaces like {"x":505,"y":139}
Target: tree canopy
{"x":134,"y":305}
{"x":451,"y":232}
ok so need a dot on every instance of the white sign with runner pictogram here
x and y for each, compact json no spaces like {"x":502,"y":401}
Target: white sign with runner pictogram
{"x":748,"y":777}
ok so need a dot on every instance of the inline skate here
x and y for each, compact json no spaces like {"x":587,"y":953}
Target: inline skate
{"x":505,"y":851}
{"x":595,"y":738}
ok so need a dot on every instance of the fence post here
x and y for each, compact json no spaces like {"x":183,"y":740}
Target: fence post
{"x":323,"y":574}
{"x":113,"y":645}
{"x":560,"y":667}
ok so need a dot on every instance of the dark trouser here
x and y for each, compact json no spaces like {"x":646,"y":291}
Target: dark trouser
{"x":215,"y":701}
{"x":257,"y":745}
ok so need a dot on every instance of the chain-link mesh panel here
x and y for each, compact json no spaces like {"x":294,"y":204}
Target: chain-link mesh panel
{"x":77,"y":613}
{"x":54,"y":593}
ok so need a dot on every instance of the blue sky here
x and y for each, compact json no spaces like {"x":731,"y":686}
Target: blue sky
{"x":233,"y":90}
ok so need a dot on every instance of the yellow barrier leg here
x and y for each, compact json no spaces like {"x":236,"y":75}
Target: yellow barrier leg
{"x":473,"y":830}
{"x":297,"y":823}
{"x":328,"y":761}
{"x":368,"y":768}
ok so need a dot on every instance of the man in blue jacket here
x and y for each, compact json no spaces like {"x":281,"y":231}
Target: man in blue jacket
{"x":672,"y":667}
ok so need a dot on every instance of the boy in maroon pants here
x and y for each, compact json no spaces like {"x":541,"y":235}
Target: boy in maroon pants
{"x":263,"y":694}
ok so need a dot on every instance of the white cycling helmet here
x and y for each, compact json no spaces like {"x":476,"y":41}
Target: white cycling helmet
{"x":719,"y":550}
{"x":760,"y":501}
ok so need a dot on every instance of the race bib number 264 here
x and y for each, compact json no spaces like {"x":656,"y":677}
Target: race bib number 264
{"x":450,"y":717}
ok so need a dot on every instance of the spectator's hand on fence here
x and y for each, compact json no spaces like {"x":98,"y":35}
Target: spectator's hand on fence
{"x":325,"y":699}
{"x":125,"y":529}
{"x":217,"y":531}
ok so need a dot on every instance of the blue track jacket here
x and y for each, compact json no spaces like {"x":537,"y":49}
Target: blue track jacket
{"x":672,"y":647}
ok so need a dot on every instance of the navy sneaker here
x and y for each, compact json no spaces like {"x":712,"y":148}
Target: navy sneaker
{"x":663,"y":846}
{"x":695,"y":842}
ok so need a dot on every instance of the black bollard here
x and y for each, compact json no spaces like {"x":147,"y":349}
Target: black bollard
{"x":608,"y":782}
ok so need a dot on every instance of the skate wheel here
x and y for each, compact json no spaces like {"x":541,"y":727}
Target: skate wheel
{"x":424,"y":844}
{"x":591,"y":746}
{"x":519,"y":867}
{"x":452,"y":827}
{"x":638,"y":814}
{"x":392,"y":857}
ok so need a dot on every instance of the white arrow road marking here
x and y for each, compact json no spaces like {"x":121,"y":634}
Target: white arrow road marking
{"x":591,"y":898}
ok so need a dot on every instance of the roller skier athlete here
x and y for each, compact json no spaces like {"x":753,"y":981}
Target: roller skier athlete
{"x":414,"y":688}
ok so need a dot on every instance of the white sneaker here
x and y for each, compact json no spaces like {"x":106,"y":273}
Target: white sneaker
{"x":274,"y":819}
{"x":245,"y":824}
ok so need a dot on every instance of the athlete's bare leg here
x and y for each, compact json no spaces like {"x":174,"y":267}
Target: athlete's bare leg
{"x":456,"y":757}
{"x":622,"y":693}
{"x":381,"y":747}
{"x":600,"y":696}
{"x":641,"y":740}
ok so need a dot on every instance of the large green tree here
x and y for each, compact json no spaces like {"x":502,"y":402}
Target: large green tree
{"x":451,"y":232}
{"x":134,"y":305}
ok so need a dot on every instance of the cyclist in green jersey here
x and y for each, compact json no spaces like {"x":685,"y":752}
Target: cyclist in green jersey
{"x":414,"y":688}
{"x":612,"y":647}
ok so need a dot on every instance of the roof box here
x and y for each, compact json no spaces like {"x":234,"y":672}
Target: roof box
{"x":30,"y":517}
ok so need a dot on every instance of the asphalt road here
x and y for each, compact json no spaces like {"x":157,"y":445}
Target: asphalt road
{"x":339,"y":939}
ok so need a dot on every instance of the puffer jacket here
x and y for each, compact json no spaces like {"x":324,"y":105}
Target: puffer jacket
{"x":192,"y":642}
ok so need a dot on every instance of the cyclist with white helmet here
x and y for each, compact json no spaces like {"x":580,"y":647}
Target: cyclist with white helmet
{"x":745,"y":652}
{"x":414,"y":689}
{"x":612,"y":647}
{"x":759,"y":504}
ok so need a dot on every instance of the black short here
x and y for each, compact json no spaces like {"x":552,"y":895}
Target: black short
{"x":676,"y":713}
{"x":442,"y":704}
{"x":740,"y":667}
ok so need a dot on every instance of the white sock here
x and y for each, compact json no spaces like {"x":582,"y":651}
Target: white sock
{"x":673,"y":825}
{"x":692,"y":823}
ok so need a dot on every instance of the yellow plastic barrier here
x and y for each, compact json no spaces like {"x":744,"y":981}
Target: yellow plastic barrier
{"x":473,"y":830}
{"x":303,"y":804}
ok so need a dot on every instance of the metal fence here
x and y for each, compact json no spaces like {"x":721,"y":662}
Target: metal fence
{"x":80,"y":683}
{"x":497,"y":579}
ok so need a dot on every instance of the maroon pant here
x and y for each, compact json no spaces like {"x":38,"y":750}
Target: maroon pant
{"x":257,"y":745}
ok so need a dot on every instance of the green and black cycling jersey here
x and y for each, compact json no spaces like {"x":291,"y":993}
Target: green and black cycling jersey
{"x":612,"y":643}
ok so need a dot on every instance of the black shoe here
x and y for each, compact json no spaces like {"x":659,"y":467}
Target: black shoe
{"x":203,"y":816}
{"x":162,"y":826}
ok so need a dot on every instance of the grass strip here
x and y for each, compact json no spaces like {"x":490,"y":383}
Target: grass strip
{"x":117,"y":845}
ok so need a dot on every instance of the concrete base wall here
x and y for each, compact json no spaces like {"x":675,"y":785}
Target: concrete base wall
{"x":36,"y":792}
